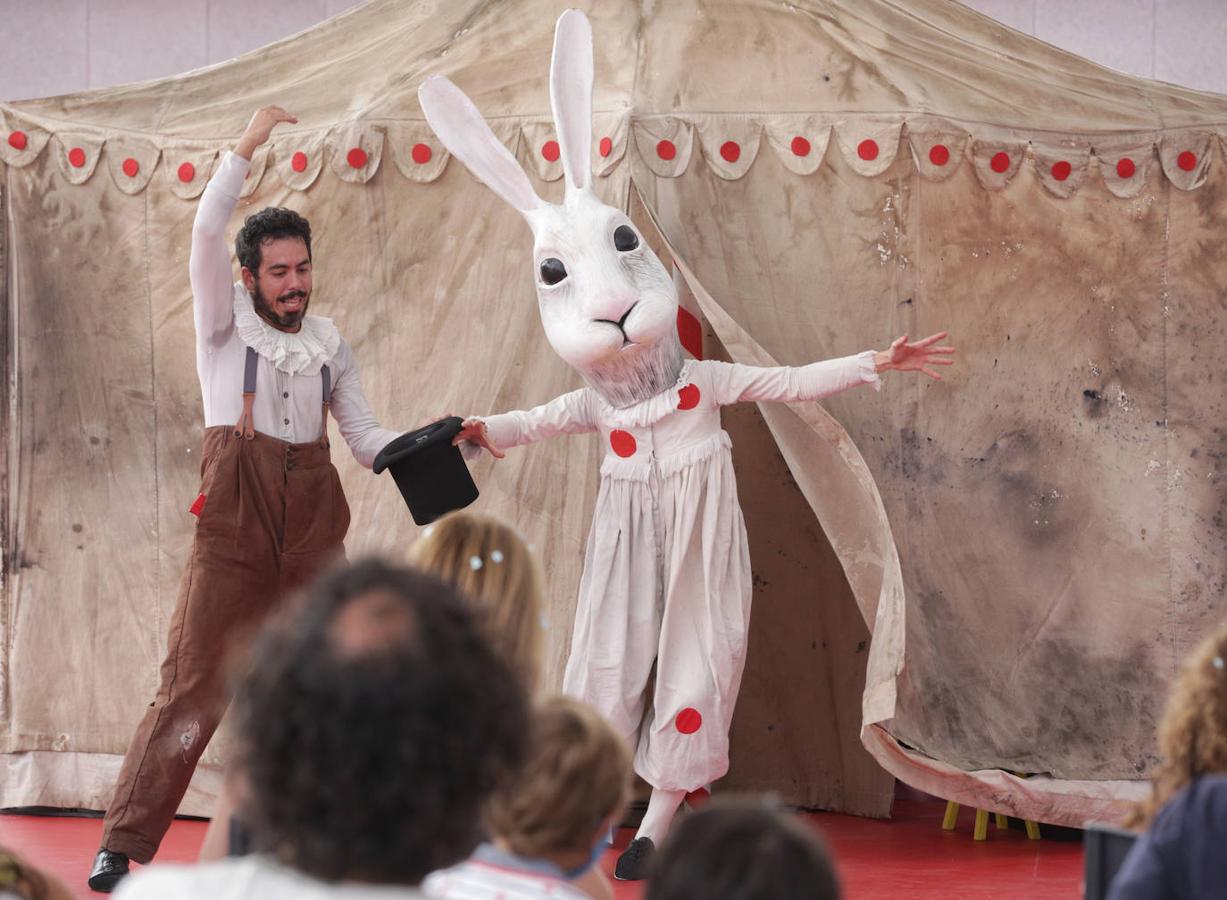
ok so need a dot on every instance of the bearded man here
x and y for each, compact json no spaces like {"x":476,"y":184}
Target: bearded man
{"x":271,"y":512}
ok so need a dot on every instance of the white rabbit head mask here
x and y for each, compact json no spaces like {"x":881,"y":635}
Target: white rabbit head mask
{"x":608,"y":306}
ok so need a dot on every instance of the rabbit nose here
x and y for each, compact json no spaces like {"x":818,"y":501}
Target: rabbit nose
{"x":613,"y":310}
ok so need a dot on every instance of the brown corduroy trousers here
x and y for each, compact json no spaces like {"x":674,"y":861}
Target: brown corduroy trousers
{"x":273,"y":515}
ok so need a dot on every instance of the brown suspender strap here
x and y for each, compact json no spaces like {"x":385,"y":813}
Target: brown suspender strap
{"x":246,"y":425}
{"x":326,"y":383}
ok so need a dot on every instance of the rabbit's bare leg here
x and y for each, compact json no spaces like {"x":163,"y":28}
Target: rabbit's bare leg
{"x":661,"y":808}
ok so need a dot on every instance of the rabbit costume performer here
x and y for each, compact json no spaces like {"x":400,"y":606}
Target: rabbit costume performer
{"x":667,"y":572}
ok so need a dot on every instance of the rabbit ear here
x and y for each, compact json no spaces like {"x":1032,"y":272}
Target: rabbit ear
{"x":465,"y":133}
{"x":571,"y":95}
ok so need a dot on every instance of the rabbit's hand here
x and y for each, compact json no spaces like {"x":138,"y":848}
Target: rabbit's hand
{"x":918,"y":356}
{"x":473,"y":432}
{"x":260,"y":127}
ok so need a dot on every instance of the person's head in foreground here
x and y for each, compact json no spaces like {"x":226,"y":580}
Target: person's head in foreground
{"x":743,"y":849}
{"x":372,"y":727}
{"x":1192,"y":734}
{"x":492,"y":565}
{"x":557,"y":808}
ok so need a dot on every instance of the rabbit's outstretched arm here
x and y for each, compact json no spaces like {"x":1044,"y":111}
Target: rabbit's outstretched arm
{"x":735,"y":383}
{"x":569,"y":414}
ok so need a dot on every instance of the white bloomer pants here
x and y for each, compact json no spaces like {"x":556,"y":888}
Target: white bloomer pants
{"x":667,"y":582}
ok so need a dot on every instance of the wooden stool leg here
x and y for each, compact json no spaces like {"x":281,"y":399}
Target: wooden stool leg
{"x":1033,"y":830}
{"x":981,"y":833}
{"x":951,"y":817}
{"x":1001,"y":820}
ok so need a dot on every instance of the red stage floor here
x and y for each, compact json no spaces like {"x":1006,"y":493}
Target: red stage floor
{"x":906,"y":857}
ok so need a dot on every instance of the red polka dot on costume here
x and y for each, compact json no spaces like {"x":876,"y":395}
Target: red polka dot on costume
{"x":800,"y":146}
{"x":76,"y":157}
{"x":688,"y":721}
{"x":550,"y":151}
{"x":17,"y":140}
{"x":867,"y":149}
{"x":666,"y":150}
{"x":1061,"y":170}
{"x":622,"y":442}
{"x":1187,"y":160}
{"x":606,"y":146}
{"x":298,"y":162}
{"x":131,"y":167}
{"x":939,"y":154}
{"x":356,"y":158}
{"x":421,"y":154}
{"x":730,"y":151}
{"x":1000,"y":161}
{"x":187,"y":172}
{"x":1125,"y":167}
{"x":688,"y":397}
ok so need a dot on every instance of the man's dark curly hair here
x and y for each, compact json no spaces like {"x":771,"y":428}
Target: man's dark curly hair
{"x":370,"y":758}
{"x":269,"y":224}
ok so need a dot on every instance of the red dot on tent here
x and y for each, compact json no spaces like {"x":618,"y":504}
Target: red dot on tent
{"x":939,"y":154}
{"x":1125,"y":167}
{"x":1187,"y":160}
{"x":76,"y":157}
{"x":1061,"y":170}
{"x":356,"y":158}
{"x":800,"y":146}
{"x":421,"y":154}
{"x":1000,"y":161}
{"x":550,"y":151}
{"x":731,"y":151}
{"x":298,"y":162}
{"x":606,"y":146}
{"x":17,"y":140}
{"x":131,"y":167}
{"x":187,"y":172}
{"x":688,"y":397}
{"x":623,"y":442}
{"x":666,"y":150}
{"x":688,"y":721}
{"x":867,"y":149}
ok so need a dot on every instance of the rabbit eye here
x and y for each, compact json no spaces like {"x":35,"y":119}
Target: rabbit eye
{"x":625,"y":238}
{"x":552,"y":270}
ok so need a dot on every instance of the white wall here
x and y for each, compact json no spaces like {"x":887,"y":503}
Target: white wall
{"x":60,"y":46}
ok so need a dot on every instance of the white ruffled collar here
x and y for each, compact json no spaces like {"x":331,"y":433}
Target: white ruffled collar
{"x":648,"y":412}
{"x":304,"y":352}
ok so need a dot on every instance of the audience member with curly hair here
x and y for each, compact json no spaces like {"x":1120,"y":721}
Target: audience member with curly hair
{"x":742,"y":850}
{"x":1181,"y":854}
{"x":372,"y":727}
{"x":549,"y":820}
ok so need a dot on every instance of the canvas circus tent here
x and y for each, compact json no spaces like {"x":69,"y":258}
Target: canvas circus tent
{"x":1033,"y":544}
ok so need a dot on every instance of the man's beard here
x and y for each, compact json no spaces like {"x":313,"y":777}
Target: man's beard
{"x":265,"y":310}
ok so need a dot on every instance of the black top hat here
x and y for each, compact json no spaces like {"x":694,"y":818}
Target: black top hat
{"x":429,"y":471}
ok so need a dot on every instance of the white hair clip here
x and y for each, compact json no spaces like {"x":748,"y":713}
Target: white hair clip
{"x":545,"y":622}
{"x":1218,"y":662}
{"x":428,"y":531}
{"x":496,"y":556}
{"x":475,"y":563}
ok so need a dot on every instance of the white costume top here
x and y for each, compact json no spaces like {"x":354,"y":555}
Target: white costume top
{"x":288,"y":381}
{"x":494,"y":874}
{"x":246,"y":877}
{"x":682,"y":424}
{"x":667,"y":582}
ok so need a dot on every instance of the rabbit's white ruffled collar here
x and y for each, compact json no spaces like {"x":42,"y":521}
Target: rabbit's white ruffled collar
{"x":304,"y":352}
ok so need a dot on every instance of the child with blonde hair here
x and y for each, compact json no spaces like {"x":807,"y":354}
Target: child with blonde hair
{"x":549,"y":821}
{"x":494,"y":567}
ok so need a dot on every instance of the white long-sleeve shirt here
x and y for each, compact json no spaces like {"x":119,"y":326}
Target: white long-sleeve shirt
{"x":289,"y":385}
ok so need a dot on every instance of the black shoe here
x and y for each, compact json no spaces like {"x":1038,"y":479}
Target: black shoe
{"x":109,"y":868}
{"x":635,"y":860}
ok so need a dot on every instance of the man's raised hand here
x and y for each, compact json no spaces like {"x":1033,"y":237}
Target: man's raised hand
{"x":260,"y":127}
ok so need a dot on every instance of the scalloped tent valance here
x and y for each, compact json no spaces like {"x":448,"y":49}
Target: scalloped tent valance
{"x":665,"y":145}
